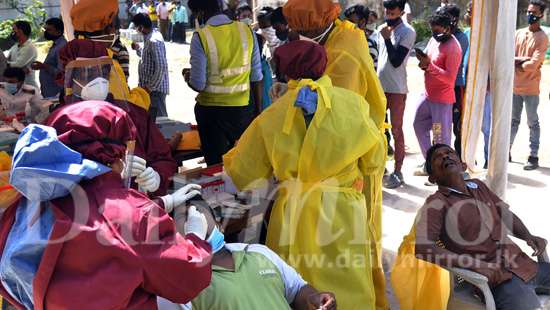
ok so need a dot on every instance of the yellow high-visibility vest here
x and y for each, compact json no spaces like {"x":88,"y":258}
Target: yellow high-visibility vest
{"x":229,"y":53}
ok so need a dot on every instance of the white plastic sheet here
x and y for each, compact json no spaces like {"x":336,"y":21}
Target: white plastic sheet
{"x":491,"y":55}
{"x":66,"y":6}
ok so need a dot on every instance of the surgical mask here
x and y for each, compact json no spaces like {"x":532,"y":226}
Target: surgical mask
{"x":441,"y":37}
{"x":98,"y":89}
{"x":532,"y":19}
{"x":12,"y":88}
{"x":322,"y":36}
{"x":106,"y":38}
{"x":13,"y":36}
{"x":393,"y":21}
{"x":216,"y":240}
{"x":247,"y":21}
{"x":371,"y":27}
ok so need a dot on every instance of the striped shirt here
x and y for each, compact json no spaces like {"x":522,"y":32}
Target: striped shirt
{"x":153,"y":66}
{"x":373,"y":50}
{"x":122,"y":56}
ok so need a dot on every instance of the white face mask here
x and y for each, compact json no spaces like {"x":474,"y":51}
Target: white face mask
{"x":107,"y":38}
{"x":320,"y":37}
{"x":98,"y":89}
{"x":247,"y":21}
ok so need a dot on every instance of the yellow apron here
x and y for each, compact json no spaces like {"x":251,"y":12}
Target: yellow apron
{"x":321,"y":223}
{"x":118,"y":86}
{"x":419,"y":285}
{"x":351,"y":67}
{"x":8,"y":196}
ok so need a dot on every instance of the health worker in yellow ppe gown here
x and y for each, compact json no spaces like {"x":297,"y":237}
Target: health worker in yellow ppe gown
{"x":323,"y":148}
{"x":350,"y":66}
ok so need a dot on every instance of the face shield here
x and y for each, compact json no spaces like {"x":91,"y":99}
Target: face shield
{"x":95,"y":79}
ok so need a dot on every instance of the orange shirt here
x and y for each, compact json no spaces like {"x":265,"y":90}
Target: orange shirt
{"x":532,"y":47}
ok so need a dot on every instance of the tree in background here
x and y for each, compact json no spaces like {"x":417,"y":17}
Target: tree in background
{"x":32,"y":11}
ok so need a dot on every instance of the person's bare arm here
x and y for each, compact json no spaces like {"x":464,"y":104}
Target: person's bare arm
{"x":309,"y":297}
{"x":257,"y":93}
{"x":516,"y":226}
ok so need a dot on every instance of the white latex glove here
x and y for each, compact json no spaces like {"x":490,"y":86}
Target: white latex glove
{"x":196,"y":223}
{"x":181,"y":196}
{"x":278,"y":90}
{"x":149,"y":180}
{"x":138,"y":165}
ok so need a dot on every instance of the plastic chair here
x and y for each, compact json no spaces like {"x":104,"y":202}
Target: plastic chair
{"x":481,"y":282}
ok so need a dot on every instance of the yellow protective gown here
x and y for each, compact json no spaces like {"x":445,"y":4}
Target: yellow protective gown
{"x":419,"y":285}
{"x":7,"y":195}
{"x":351,"y":67}
{"x":321,"y":223}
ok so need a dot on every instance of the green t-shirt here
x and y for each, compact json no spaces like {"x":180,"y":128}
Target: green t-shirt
{"x":261,"y":280}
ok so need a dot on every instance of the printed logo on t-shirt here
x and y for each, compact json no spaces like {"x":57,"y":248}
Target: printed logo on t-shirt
{"x":268,"y":273}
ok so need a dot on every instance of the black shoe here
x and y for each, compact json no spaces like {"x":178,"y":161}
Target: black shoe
{"x":532,"y":164}
{"x":394,"y":180}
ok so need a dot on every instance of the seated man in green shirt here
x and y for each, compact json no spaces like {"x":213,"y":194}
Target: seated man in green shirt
{"x":249,"y":277}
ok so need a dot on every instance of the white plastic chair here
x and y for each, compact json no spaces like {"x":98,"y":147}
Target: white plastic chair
{"x":481,"y":282}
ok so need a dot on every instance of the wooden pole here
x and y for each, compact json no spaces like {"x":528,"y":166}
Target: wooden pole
{"x":254,"y":5}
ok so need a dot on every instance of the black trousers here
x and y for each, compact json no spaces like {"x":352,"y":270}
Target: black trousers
{"x":219,"y":129}
{"x":457,"y":119}
{"x":178,"y":33}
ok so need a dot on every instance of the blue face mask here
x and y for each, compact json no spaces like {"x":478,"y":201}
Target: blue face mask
{"x":11,"y":88}
{"x":532,"y":19}
{"x":216,"y":240}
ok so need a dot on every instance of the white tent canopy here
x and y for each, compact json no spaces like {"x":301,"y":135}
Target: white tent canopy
{"x":491,"y":56}
{"x":66,"y":6}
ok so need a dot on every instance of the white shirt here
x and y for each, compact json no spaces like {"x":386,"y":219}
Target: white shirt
{"x":394,"y":80}
{"x":27,"y":100}
{"x":162,"y":11}
{"x":22,"y":57}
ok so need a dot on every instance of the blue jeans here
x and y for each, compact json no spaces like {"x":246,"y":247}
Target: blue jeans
{"x":518,"y":295}
{"x":486,"y":125}
{"x":531,"y":106}
{"x":158,"y":105}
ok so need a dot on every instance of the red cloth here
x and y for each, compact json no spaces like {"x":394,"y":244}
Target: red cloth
{"x":122,"y":255}
{"x":301,"y":60}
{"x":96,"y":129}
{"x":150,"y":144}
{"x":75,"y":49}
{"x":153,"y":147}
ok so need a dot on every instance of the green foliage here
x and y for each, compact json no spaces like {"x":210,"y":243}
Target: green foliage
{"x":32,"y":11}
{"x":423,"y":29}
{"x":6,"y":28}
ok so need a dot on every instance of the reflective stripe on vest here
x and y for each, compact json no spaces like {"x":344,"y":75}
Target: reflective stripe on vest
{"x":216,"y":75}
{"x":226,"y":89}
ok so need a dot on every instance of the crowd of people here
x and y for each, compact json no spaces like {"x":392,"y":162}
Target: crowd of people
{"x":300,"y":94}
{"x":171,"y":18}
